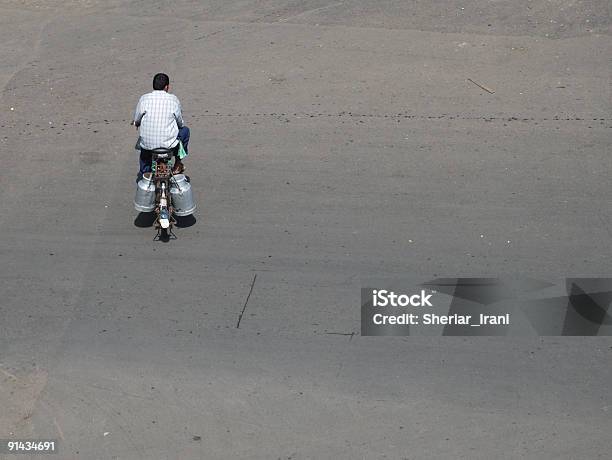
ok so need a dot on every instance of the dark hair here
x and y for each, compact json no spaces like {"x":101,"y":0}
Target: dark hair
{"x":160,"y":81}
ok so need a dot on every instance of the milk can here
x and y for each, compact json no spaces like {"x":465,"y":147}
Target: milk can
{"x":182,"y":196}
{"x":144,"y":201}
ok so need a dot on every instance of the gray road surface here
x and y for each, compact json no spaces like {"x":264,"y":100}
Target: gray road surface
{"x":331,"y":142}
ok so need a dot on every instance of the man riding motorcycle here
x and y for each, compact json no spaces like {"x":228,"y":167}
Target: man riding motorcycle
{"x":159,"y":119}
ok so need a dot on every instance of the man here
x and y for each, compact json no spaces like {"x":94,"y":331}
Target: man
{"x":160,"y":121}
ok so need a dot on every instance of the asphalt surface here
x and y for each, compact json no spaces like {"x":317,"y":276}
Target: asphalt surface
{"x":331,"y":142}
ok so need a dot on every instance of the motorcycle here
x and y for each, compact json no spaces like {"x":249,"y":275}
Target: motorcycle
{"x":165,"y":193}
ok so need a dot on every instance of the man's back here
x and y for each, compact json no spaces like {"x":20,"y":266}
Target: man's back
{"x":160,"y":117}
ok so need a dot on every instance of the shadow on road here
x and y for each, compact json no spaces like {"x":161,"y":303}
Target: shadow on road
{"x":144,"y":219}
{"x":147,"y":219}
{"x":185,"y":221}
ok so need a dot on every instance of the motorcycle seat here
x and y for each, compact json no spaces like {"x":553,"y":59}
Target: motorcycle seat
{"x":162,"y":153}
{"x":162,"y":150}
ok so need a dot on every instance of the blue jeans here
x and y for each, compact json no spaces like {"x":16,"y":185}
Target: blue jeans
{"x":183,"y":136}
{"x":146,"y":157}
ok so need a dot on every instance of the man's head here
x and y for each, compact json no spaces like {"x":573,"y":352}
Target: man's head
{"x":161,"y":82}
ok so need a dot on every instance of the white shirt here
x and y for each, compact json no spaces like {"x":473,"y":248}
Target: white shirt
{"x":160,"y":117}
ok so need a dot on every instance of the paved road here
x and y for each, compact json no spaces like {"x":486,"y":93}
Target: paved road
{"x":331,"y":142}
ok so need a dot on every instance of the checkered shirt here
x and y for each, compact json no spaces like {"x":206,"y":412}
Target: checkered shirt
{"x":160,"y":117}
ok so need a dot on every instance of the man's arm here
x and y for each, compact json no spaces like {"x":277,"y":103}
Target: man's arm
{"x":178,"y":114}
{"x":138,"y":114}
